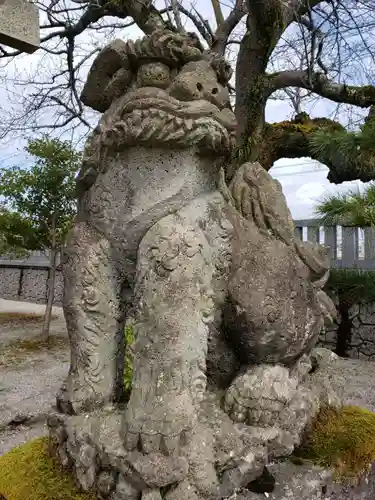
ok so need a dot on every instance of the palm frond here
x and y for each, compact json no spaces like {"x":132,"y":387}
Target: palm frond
{"x":349,"y":209}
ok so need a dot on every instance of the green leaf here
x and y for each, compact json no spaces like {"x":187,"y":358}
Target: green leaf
{"x":350,"y":209}
{"x":39,"y":201}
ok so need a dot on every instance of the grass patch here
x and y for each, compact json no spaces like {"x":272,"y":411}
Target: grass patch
{"x":342,"y":439}
{"x":29,"y":473}
{"x":19,"y":350}
{"x":39,"y":343}
{"x":19,"y":317}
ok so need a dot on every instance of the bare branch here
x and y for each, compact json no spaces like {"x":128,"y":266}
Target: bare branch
{"x":225,"y":29}
{"x":177,"y":17}
{"x":321,"y":85}
{"x":218,"y":12}
{"x":200,"y":26}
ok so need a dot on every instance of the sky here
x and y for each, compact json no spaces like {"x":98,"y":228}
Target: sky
{"x":303,"y":180}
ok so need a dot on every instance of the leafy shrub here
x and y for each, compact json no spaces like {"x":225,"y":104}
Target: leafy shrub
{"x":352,"y":286}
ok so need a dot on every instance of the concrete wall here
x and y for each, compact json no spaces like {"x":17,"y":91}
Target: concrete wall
{"x":363,"y":333}
{"x":28,"y":284}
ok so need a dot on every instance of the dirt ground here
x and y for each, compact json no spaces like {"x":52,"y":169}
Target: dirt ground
{"x":31,"y":371}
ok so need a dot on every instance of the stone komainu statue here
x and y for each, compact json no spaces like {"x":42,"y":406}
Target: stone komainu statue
{"x":227,"y":302}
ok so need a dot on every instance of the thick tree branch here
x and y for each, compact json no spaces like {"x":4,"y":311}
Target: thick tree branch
{"x":218,"y":12}
{"x":265,"y":24}
{"x":224,"y":29}
{"x":144,"y":14}
{"x":177,"y":16}
{"x":363,"y":96}
{"x":147,"y":17}
{"x":299,"y":8}
{"x":291,"y":139}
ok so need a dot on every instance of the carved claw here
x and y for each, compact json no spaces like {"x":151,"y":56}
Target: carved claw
{"x":162,"y":424}
{"x":260,"y":394}
{"x":74,"y":397}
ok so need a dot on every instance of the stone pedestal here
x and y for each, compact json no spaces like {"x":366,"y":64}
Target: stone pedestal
{"x":19,"y":25}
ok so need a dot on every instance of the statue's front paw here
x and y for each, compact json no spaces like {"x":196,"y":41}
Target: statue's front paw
{"x":74,"y":397}
{"x":162,"y":424}
{"x":259,"y":395}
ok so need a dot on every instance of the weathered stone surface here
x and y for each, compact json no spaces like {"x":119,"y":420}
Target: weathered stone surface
{"x":275,"y":397}
{"x":182,"y":491}
{"x":151,"y":495}
{"x":295,"y":483}
{"x":323,"y":357}
{"x":112,"y":62}
{"x":106,"y":483}
{"x":267,"y":396}
{"x":19,"y":25}
{"x":157,"y":470}
{"x":86,"y":477}
{"x":125,"y":491}
{"x":209,"y":272}
{"x":63,"y":456}
{"x":243,"y":472}
{"x":279,"y":443}
{"x":274,"y":312}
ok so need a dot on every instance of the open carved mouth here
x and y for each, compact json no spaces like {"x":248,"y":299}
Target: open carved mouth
{"x":151,"y":115}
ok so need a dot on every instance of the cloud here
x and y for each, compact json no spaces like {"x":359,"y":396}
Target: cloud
{"x":304,"y":182}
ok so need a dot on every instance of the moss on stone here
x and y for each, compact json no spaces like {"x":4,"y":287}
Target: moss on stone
{"x":29,"y":473}
{"x":128,"y":369}
{"x":342,"y":439}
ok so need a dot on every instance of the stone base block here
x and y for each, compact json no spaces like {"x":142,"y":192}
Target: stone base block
{"x":19,"y":25}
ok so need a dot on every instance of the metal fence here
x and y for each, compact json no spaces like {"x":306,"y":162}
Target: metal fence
{"x":350,"y":247}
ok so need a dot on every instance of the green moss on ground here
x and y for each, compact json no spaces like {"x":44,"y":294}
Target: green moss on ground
{"x":39,"y":343}
{"x":21,"y":318}
{"x":342,"y":439}
{"x":29,"y":473}
{"x":19,"y":350}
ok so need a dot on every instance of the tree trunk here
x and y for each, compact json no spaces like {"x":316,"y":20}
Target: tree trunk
{"x":51,"y":294}
{"x":265,"y":25}
{"x":51,"y":281}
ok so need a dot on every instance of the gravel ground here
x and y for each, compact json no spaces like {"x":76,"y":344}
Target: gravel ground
{"x":358,"y":378}
{"x":28,"y":386}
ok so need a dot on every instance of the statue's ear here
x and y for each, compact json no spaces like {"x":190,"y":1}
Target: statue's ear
{"x":108,"y":78}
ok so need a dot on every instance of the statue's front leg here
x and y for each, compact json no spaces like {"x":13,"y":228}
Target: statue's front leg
{"x":174,"y":303}
{"x":94,"y":316}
